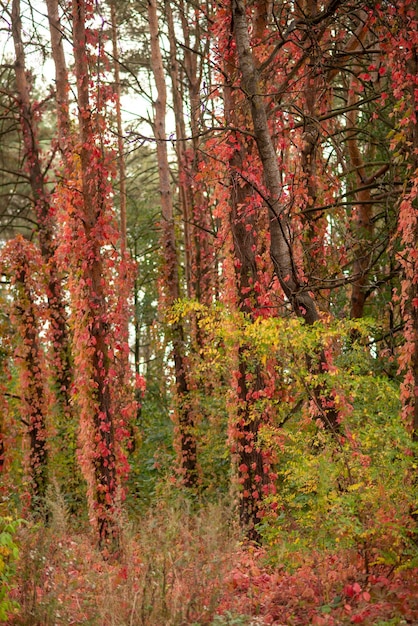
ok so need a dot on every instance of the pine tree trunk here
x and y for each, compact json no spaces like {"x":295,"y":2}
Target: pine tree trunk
{"x":245,"y":222}
{"x":185,"y":417}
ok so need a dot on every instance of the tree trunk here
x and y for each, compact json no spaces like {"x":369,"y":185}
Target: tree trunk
{"x":185,"y":417}
{"x":34,"y":399}
{"x":61,"y":77}
{"x":199,"y":249}
{"x":62,"y":367}
{"x":281,"y":236}
{"x":315,"y":224}
{"x":91,"y":214}
{"x":21,"y":262}
{"x":245,"y":223}
{"x":410,"y":264}
{"x":363,"y":214}
{"x":121,"y":158}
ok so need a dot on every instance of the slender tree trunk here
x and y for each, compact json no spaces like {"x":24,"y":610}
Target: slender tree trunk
{"x":186,"y":426}
{"x":252,"y":470}
{"x":61,"y":77}
{"x":363,"y":216}
{"x":66,"y":424}
{"x":280,"y":227}
{"x":34,"y":399}
{"x":121,"y":158}
{"x":187,"y":80}
{"x":411,"y":261}
{"x":315,"y":224}
{"x":181,"y":147}
{"x":245,"y":223}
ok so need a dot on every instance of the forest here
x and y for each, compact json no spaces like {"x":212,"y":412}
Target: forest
{"x":209,"y":312}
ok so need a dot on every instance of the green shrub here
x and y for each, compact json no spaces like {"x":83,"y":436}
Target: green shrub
{"x":9,"y":554}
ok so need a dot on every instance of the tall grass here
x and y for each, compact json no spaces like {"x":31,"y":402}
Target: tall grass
{"x":169,"y":571}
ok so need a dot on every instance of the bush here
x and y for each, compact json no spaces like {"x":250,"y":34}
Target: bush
{"x":9,"y":553}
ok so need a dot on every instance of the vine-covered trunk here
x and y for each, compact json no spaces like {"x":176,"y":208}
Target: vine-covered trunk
{"x":252,"y":472}
{"x":60,"y":342}
{"x":245,"y":224}
{"x":20,"y":261}
{"x":281,"y":235}
{"x":34,"y":400}
{"x":412,"y":67}
{"x":410,"y":235}
{"x":121,"y":157}
{"x":92,"y":208}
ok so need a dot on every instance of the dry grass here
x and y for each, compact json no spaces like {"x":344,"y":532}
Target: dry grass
{"x":170,"y":571}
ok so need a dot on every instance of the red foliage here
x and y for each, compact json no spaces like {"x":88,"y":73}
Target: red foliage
{"x":401,"y":46}
{"x":325,"y":590}
{"x":99,"y":283}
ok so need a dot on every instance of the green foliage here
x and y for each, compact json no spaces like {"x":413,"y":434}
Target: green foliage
{"x":9,"y":554}
{"x":357,"y":489}
{"x":153,"y":458}
{"x":231,"y":619}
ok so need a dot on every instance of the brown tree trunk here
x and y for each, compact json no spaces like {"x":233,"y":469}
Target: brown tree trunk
{"x":245,"y":222}
{"x":199,"y":249}
{"x":34,"y":400}
{"x":185,"y":417}
{"x":252,"y":472}
{"x":281,"y":237}
{"x":363,"y":217}
{"x":66,"y":424}
{"x":61,"y":77}
{"x":314,"y":223}
{"x":121,"y":158}
{"x":180,"y":146}
{"x":413,"y":289}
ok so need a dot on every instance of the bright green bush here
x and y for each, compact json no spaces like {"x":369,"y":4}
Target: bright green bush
{"x":9,"y":554}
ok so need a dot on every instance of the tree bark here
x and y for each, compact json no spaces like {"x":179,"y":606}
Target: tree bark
{"x":186,"y":76}
{"x":412,"y":262}
{"x":61,"y":77}
{"x":34,"y":399}
{"x":245,"y":222}
{"x":363,"y":213}
{"x":121,"y":158}
{"x":20,"y":265}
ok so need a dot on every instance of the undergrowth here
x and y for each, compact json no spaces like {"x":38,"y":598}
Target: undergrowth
{"x":184,"y":564}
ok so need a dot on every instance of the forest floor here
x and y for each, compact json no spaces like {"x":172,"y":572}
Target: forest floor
{"x":178,"y":567}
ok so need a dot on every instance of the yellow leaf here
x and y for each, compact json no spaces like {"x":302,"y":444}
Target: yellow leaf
{"x":355,"y":486}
